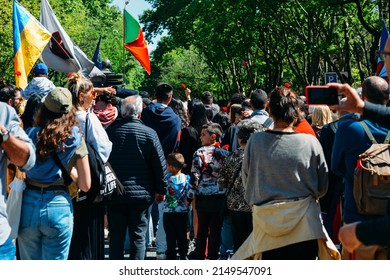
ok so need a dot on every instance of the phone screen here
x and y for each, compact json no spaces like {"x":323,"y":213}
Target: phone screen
{"x":321,"y":95}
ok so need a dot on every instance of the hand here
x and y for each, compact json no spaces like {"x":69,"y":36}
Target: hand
{"x":347,"y":237}
{"x":188,"y":93}
{"x":159,"y":198}
{"x":109,"y":90}
{"x":246,"y":114}
{"x":353,"y":103}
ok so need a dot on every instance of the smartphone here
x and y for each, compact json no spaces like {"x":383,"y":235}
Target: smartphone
{"x":321,"y":95}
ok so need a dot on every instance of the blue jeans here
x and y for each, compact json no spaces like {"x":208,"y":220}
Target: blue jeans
{"x":161,"y":240}
{"x":7,"y":250}
{"x":226,"y":237}
{"x":46,"y":225}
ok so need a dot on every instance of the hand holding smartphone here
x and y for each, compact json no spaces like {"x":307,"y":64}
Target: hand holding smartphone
{"x":321,"y":95}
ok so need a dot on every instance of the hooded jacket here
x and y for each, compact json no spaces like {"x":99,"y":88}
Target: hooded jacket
{"x":40,"y":85}
{"x":166,"y":123}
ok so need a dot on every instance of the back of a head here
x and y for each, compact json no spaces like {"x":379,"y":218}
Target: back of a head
{"x":375,"y":90}
{"x":246,"y":128}
{"x":207,"y":98}
{"x":77,"y":84}
{"x":163,"y":92}
{"x":237,"y":98}
{"x":198,"y":114}
{"x":259,"y":99}
{"x":131,"y":106}
{"x":222,"y":119}
{"x":284,"y":104}
{"x":321,"y":115}
{"x":176,"y":160}
{"x":7,"y":92}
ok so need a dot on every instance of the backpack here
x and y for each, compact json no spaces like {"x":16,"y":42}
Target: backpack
{"x":371,"y":184}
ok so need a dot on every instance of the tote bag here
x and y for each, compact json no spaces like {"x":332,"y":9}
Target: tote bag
{"x":14,"y":205}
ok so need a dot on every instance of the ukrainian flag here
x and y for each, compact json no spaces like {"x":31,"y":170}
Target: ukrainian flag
{"x":30,"y":38}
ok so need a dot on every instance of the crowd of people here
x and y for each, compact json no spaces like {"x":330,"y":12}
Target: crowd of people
{"x":262,"y":177}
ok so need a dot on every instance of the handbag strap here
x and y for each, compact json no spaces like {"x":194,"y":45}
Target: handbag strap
{"x":65,"y":174}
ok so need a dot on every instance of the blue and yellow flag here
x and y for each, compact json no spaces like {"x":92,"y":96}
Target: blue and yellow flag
{"x":30,"y":38}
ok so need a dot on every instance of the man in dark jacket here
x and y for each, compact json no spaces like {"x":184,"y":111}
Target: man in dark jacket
{"x":167,"y":124}
{"x":163,"y":119}
{"x":138,"y":160}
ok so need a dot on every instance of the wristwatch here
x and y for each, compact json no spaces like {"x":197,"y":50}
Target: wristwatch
{"x":4,"y":136}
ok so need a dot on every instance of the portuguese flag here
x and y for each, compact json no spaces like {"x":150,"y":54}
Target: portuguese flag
{"x":135,"y":41}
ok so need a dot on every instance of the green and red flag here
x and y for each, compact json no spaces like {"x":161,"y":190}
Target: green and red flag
{"x":135,"y":41}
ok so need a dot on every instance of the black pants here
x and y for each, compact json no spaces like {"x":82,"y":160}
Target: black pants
{"x":88,"y":231}
{"x":132,"y":219}
{"x":209,"y":232}
{"x":242,"y":227}
{"x":306,"y":250}
{"x":175,"y":226}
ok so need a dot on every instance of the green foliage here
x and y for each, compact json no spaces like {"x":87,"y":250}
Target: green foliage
{"x":277,"y":41}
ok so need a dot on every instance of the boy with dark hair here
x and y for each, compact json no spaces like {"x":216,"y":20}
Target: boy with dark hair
{"x":175,"y":207}
{"x":207,"y":162}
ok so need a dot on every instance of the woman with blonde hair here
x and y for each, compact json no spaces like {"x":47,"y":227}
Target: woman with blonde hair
{"x":46,"y":222}
{"x":88,"y":236}
{"x":321,"y":116}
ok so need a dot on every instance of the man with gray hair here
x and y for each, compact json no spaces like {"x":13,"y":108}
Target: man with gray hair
{"x":138,"y":160}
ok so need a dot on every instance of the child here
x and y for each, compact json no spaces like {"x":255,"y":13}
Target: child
{"x":175,"y":207}
{"x":207,"y":162}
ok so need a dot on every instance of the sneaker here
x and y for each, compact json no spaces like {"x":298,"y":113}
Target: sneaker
{"x":161,"y":256}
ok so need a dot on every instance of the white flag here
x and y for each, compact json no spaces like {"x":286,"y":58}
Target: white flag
{"x":61,"y":54}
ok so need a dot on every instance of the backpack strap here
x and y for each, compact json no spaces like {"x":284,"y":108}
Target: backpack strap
{"x":371,"y":137}
{"x":267,"y":122}
{"x":368,"y":132}
{"x":65,"y":174}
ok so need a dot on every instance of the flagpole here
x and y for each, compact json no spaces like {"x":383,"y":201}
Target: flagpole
{"x":124,"y":42}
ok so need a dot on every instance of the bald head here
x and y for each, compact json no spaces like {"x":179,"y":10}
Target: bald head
{"x":375,"y":90}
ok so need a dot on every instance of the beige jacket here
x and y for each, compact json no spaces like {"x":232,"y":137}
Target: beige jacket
{"x":278,"y":224}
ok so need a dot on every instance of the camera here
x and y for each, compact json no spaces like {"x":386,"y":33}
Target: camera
{"x":321,"y":95}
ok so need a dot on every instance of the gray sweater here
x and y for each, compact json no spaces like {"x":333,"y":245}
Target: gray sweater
{"x":279,"y":166}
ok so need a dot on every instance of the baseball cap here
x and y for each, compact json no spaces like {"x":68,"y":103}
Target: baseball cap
{"x":40,"y":68}
{"x":59,"y":100}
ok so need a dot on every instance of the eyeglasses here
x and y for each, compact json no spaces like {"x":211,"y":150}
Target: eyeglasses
{"x":383,"y":55}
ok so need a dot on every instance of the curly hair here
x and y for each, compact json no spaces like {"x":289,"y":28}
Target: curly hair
{"x":55,"y":129}
{"x":77,"y":83}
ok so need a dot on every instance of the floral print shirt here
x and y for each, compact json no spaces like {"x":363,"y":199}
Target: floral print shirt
{"x":230,"y":178}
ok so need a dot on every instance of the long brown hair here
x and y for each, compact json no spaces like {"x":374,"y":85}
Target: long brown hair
{"x":55,"y":129}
